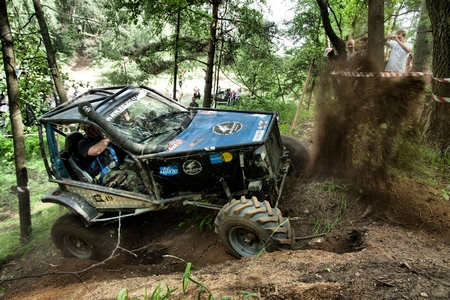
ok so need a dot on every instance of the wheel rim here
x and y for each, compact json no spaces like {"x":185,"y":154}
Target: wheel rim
{"x":77,"y":246}
{"x":245,"y":242}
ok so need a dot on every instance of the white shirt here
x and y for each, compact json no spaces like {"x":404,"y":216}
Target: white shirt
{"x":397,"y":58}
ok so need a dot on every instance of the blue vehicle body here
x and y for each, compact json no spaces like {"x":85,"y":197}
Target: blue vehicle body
{"x":203,"y":157}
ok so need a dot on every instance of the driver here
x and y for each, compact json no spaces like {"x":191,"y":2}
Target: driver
{"x":105,"y":161}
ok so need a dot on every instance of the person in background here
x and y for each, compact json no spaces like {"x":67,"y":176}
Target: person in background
{"x":351,"y":54}
{"x":232,"y":97}
{"x":399,"y":51}
{"x":409,"y":63}
{"x":361,"y":59}
{"x":196,"y":93}
{"x":238,"y":96}
{"x":105,"y":161}
{"x":193,"y":102}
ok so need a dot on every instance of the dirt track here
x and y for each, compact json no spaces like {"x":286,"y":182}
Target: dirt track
{"x":392,"y":250}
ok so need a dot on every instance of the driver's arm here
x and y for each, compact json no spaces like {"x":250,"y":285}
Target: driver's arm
{"x":98,"y":148}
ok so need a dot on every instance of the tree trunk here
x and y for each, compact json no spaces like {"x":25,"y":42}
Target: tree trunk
{"x":50,"y":53}
{"x":424,"y":40}
{"x":376,"y":34}
{"x":175,"y":64}
{"x":211,"y":54}
{"x":436,"y":131}
{"x":338,"y":43}
{"x":16,"y":123}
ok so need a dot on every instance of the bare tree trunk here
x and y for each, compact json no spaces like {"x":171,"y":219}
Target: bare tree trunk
{"x":436,"y":131}
{"x":376,"y":34}
{"x":424,"y":42}
{"x":211,"y":54}
{"x":50,"y":53}
{"x":16,"y":123}
{"x":175,"y":64}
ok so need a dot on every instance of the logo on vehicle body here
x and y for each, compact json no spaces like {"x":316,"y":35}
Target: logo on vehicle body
{"x":215,"y":158}
{"x":262,"y":124}
{"x":192,"y":167}
{"x":227,"y":128}
{"x":170,"y":170}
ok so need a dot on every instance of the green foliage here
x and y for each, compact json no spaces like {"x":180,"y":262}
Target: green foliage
{"x":422,"y":162}
{"x":32,"y":150}
{"x":194,"y":216}
{"x":445,"y":194}
{"x":164,"y":292}
{"x":42,"y":215}
{"x":159,"y":293}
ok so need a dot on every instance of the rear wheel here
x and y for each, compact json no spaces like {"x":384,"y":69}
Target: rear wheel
{"x":248,"y":227}
{"x":299,"y":155}
{"x":74,"y":239}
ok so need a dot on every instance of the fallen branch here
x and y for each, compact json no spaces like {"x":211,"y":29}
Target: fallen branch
{"x":309,"y":236}
{"x":384,"y":283}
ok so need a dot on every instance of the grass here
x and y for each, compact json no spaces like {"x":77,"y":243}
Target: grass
{"x":425,"y":164}
{"x":42,"y":215}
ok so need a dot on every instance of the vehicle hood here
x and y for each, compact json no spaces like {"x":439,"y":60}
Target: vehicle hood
{"x":220,"y":129}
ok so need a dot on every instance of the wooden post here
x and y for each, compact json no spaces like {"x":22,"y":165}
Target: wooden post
{"x":294,"y":124}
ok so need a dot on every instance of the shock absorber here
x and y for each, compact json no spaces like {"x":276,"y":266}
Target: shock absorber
{"x":260,"y":195}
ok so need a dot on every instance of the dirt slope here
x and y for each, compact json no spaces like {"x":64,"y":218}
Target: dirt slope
{"x":395,"y":249}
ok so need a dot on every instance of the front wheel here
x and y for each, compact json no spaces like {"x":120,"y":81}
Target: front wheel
{"x":248,"y":227}
{"x":74,"y":239}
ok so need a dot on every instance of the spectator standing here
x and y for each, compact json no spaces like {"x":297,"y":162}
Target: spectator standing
{"x":362,"y":56}
{"x":351,"y":54}
{"x":181,"y":96}
{"x":409,"y":63}
{"x":238,"y":96}
{"x":400,"y":49}
{"x":232,"y":97}
{"x":193,"y":103}
{"x":196,"y":93}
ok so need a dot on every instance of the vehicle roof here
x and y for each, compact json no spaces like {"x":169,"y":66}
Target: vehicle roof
{"x":103,"y":100}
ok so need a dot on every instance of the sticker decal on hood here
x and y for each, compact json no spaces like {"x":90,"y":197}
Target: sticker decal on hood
{"x":227,"y":128}
{"x":172,"y":145}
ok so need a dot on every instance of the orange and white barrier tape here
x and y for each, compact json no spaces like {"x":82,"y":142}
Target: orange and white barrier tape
{"x":397,"y":74}
{"x":381,"y":74}
{"x":446,"y":80}
{"x":440,"y":99}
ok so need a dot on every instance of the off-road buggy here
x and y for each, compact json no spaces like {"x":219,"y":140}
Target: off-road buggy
{"x":235,"y":162}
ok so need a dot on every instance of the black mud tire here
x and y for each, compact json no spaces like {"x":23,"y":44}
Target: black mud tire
{"x":247,"y":227}
{"x":298,"y":153}
{"x":74,"y":239}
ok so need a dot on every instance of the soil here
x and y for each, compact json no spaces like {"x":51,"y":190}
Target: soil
{"x":349,"y":246}
{"x":396,"y":248}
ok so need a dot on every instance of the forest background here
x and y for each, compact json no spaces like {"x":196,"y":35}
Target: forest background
{"x":141,"y":41}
